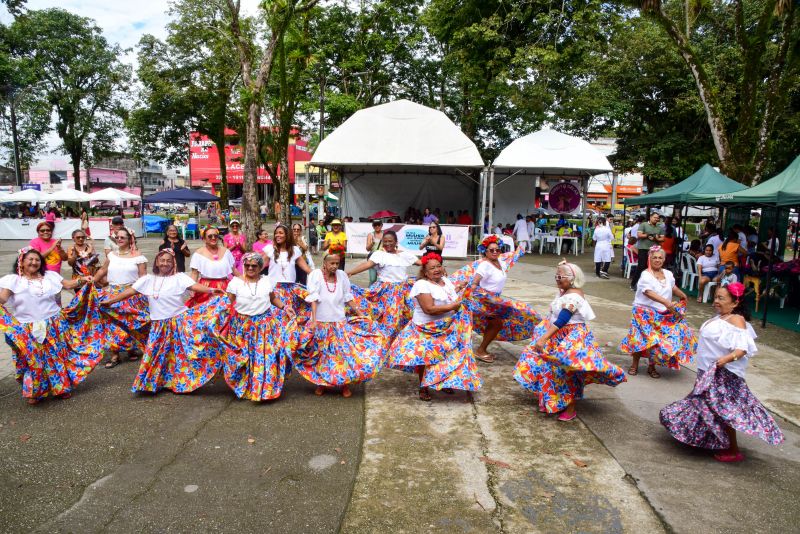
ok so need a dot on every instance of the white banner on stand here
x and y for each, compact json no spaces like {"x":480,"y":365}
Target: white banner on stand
{"x":409,"y":237}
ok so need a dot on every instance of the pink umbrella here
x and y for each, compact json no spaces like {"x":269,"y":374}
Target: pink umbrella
{"x":383,"y":214}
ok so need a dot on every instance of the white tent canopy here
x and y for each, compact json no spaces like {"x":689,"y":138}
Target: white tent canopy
{"x":115,"y":195}
{"x":546,"y":153}
{"x":26,"y":195}
{"x":69,"y":195}
{"x":401,"y":154}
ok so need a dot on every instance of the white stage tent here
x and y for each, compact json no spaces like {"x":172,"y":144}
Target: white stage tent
{"x":401,"y":154}
{"x":543,"y":154}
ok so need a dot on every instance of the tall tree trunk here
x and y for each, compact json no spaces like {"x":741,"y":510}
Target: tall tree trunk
{"x":250,"y":214}
{"x":76,"y":172}
{"x":219,"y":140}
{"x":707,"y":95}
{"x":285,"y":190}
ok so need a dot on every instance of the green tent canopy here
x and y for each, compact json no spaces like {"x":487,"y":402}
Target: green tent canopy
{"x":700,"y":189}
{"x":780,"y":190}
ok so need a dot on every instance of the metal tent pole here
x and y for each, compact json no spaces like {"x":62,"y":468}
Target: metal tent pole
{"x":483,"y":198}
{"x":769,"y":268}
{"x":490,"y":208}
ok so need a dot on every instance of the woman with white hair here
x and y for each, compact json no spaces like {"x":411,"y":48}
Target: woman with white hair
{"x":563,"y":356}
{"x":603,"y":249}
{"x":658,"y":328}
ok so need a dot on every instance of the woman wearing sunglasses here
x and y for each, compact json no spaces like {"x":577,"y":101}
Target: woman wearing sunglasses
{"x":494,"y":316}
{"x":211,"y":265}
{"x":563,"y":356}
{"x":126,"y":323}
{"x":181,"y":355}
{"x":50,"y":248}
{"x":53,"y":349}
{"x":256,"y":337}
{"x":81,"y":256}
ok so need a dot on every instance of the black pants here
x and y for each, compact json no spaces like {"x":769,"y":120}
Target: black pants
{"x":642,"y":266}
{"x":601,"y":266}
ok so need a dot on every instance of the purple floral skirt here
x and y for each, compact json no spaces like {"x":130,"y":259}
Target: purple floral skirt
{"x":719,"y":399}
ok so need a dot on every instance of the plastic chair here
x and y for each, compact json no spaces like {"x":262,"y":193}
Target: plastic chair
{"x":689,"y":268}
{"x":629,"y":262}
{"x":707,"y":290}
{"x":193,"y":229}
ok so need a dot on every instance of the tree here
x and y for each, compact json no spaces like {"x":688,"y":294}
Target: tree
{"x":188,"y":83}
{"x":82,"y":79}
{"x":256,"y":66}
{"x":743,"y":57}
{"x":24,"y":110}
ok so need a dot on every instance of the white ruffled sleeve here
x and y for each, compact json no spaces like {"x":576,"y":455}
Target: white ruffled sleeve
{"x":346,"y":287}
{"x":735,"y":338}
{"x":11,"y":282}
{"x":234,"y":285}
{"x":314,"y":286}
{"x":484,"y":269}
{"x":184,"y":281}
{"x":196,"y":262}
{"x":420,"y":287}
{"x":138,"y":260}
{"x":648,"y":281}
{"x":577,"y":305}
{"x":144,"y":285}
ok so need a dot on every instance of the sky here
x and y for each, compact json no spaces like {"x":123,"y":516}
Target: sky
{"x":123,"y":22}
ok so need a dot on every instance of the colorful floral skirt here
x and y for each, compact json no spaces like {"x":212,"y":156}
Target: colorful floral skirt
{"x":663,"y":337}
{"x":571,"y":359}
{"x":519,"y":319}
{"x":258,"y":356}
{"x":719,"y":399}
{"x":336,"y":354}
{"x":125,"y":324}
{"x":386,"y":303}
{"x":182,"y":354}
{"x":292,"y":294}
{"x":51,"y":357}
{"x":214,"y":283}
{"x":443,"y":347}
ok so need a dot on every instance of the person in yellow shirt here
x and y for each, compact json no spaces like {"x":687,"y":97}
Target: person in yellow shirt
{"x":336,"y":238}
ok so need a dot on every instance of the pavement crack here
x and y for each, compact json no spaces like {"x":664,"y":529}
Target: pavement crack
{"x":491,"y":470}
{"x":171,"y":460}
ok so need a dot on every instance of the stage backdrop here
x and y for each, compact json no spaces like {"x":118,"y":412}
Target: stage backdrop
{"x":409,"y":236}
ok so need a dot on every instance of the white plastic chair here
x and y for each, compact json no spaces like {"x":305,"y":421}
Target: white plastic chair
{"x":689,"y":268}
{"x":629,"y":262}
{"x":707,"y":291}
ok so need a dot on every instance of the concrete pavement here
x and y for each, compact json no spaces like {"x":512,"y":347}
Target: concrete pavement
{"x":109,"y":460}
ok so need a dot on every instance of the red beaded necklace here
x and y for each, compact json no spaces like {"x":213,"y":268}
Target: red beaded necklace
{"x":327,"y":285}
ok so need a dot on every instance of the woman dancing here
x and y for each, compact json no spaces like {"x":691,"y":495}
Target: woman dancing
{"x":53,"y":349}
{"x":386,"y":300}
{"x":495,"y":316}
{"x":300,"y":241}
{"x":181,"y":355}
{"x":340,"y":352}
{"x":125,"y":328}
{"x":257,"y":335}
{"x":721,"y":403}
{"x":658,"y":328}
{"x":283,"y":258}
{"x":212,"y":265}
{"x":436,"y":344}
{"x":563,"y":356}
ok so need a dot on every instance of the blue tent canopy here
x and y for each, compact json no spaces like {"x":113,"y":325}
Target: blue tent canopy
{"x":181,"y":195}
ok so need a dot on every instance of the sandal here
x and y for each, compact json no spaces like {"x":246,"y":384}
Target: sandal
{"x":633,"y":371}
{"x":346,"y":393}
{"x":34,"y":401}
{"x":485,"y":358}
{"x":110,"y":364}
{"x":449,"y":391}
{"x":134,"y":356}
{"x":320,"y":391}
{"x":653,"y":373}
{"x":424,"y":395}
{"x":727,"y":457}
{"x":564,"y":417}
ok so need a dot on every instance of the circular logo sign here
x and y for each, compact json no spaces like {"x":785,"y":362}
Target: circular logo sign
{"x":564,"y":197}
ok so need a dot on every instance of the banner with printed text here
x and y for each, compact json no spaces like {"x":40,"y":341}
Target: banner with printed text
{"x":409,"y":236}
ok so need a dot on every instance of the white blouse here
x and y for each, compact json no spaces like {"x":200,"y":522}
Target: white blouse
{"x":445,"y":294}
{"x":283,"y":269}
{"x":33,"y":300}
{"x":663,"y":288}
{"x":493,"y":279}
{"x":330,"y":298}
{"x":123,"y":270}
{"x":719,"y":337}
{"x":213,"y":269}
{"x":392,"y":267}
{"x":581,"y":311}
{"x":251,"y":298}
{"x":164,"y":293}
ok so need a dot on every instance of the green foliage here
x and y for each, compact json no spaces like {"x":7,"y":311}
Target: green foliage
{"x":81,"y":77}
